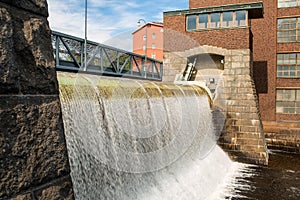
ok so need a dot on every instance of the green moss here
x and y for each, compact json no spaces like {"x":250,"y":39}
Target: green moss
{"x":78,"y":85}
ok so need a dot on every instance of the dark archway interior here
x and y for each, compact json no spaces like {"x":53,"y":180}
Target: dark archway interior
{"x":207,"y":61}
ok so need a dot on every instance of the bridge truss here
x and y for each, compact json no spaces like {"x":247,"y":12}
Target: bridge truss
{"x":102,"y":59}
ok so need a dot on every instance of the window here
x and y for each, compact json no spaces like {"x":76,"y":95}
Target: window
{"x":288,"y":3}
{"x":288,"y":65}
{"x":217,"y":20}
{"x":153,"y":55}
{"x":144,"y":37}
{"x":214,"y":20}
{"x":203,"y":21}
{"x":153,"y":45}
{"x":288,"y":30}
{"x":298,"y":32}
{"x":288,"y":101}
{"x":241,"y":18}
{"x":227,"y":19}
{"x":153,"y":35}
{"x":191,"y":22}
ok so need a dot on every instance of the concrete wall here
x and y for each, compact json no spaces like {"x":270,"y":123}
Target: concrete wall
{"x":33,"y":154}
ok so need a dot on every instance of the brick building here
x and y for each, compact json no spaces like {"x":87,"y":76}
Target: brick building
{"x":268,"y":33}
{"x":148,"y":40}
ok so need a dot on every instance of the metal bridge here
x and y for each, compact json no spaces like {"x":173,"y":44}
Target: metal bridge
{"x":102,"y":59}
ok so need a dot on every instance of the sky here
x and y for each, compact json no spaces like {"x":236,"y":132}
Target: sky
{"x":110,"y":22}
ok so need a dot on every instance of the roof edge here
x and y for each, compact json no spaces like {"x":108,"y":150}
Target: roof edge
{"x":210,"y":9}
{"x":160,"y":24}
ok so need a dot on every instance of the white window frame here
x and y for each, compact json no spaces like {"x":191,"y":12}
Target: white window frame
{"x":153,"y":45}
{"x":287,"y":65}
{"x":286,"y":31}
{"x":288,"y":3}
{"x":208,"y":24}
{"x":153,"y":36}
{"x":288,"y":101}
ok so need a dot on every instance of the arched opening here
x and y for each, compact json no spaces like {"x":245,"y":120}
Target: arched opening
{"x":208,"y":61}
{"x":208,"y":68}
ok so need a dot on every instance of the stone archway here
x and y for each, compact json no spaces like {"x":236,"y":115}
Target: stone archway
{"x":242,"y":136}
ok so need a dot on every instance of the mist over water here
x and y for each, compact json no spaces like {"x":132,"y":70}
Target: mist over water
{"x":130,"y":139}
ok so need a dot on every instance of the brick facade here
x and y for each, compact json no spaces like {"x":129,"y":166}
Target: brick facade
{"x":260,"y":36}
{"x":204,"y":3}
{"x":139,"y":41}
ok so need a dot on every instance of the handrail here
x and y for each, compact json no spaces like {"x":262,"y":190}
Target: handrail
{"x":102,"y":59}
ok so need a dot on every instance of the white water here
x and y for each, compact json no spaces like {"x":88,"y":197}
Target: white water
{"x":150,"y":147}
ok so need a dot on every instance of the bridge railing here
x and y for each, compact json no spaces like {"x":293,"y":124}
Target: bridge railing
{"x":102,"y":59}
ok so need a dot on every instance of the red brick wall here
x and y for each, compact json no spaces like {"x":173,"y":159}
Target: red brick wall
{"x":207,"y":3}
{"x":236,"y":38}
{"x":285,"y":12}
{"x":223,"y":38}
{"x":138,"y":41}
{"x":175,"y":37}
{"x":288,"y":48}
{"x":176,"y":23}
{"x":265,"y":48}
{"x":264,"y":51}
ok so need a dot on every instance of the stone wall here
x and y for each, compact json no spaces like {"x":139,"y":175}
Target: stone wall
{"x":242,"y":135}
{"x":33,"y":155}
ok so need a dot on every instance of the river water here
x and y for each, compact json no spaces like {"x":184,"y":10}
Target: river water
{"x":280,"y":180}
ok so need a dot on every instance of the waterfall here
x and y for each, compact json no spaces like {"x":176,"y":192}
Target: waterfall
{"x":130,"y":139}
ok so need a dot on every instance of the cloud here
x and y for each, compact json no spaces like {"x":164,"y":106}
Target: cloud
{"x":107,"y":19}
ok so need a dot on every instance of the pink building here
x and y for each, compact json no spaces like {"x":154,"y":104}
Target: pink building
{"x":148,"y":40}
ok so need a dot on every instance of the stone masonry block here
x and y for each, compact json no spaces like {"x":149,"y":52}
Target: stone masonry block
{"x":59,"y":190}
{"x":27,"y":196}
{"x":249,"y":128}
{"x":237,"y":58}
{"x":39,"y":7}
{"x":32,"y":142}
{"x":248,"y":141}
{"x":246,"y":58}
{"x":235,"y":65}
{"x":27,"y":63}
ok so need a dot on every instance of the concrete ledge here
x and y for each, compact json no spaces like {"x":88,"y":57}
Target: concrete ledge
{"x":284,"y":136}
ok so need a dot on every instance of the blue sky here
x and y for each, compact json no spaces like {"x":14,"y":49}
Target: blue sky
{"x":109,"y":21}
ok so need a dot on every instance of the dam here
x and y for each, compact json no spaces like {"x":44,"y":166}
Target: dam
{"x":130,"y":139}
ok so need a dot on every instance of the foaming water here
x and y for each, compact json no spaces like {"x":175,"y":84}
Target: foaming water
{"x":140,"y":140}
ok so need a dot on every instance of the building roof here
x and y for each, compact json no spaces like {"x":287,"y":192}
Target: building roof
{"x":159,"y":24}
{"x":256,"y":9}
